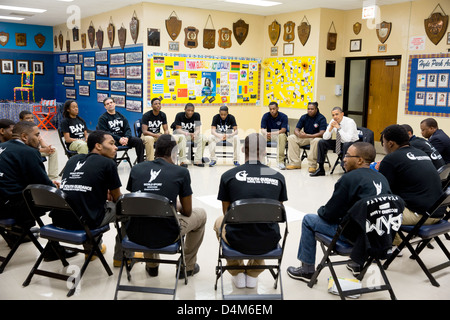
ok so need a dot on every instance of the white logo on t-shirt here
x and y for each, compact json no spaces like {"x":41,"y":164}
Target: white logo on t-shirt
{"x":153,"y":175}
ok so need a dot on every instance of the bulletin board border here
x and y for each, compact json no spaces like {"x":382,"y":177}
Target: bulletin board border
{"x":196,"y":56}
{"x":408,"y":87}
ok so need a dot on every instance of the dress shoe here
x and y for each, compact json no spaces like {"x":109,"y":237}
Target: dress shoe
{"x":199,"y":164}
{"x":189,"y":272}
{"x":152,"y":271}
{"x":184,"y":165}
{"x":318,"y":172}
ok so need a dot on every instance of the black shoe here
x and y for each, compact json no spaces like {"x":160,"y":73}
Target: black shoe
{"x":299,"y":274}
{"x":199,"y":164}
{"x":189,"y":272}
{"x":152,"y":272}
{"x":319,"y":172}
{"x":354,"y":268}
{"x":184,"y":165}
{"x":52,"y":256}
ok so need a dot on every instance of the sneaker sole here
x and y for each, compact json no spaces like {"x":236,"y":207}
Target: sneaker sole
{"x":301,"y":278}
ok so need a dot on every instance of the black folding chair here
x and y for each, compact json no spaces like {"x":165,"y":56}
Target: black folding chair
{"x":367,"y":222}
{"x":143,"y":205}
{"x":14,"y":236}
{"x":50,"y":198}
{"x":274,"y":145}
{"x":426,"y":233}
{"x":305,"y":155}
{"x":67,"y":152}
{"x":444,"y":174}
{"x":252,"y":211}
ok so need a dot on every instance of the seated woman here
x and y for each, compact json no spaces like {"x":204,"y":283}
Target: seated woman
{"x":73,"y":128}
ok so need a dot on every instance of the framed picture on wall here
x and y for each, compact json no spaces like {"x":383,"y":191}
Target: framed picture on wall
{"x":133,"y":57}
{"x":69,"y":81}
{"x":70,"y":69}
{"x":89,"y":75}
{"x":102,"y":85}
{"x":117,"y":58}
{"x":101,"y":56}
{"x":84,"y":91}
{"x":89,"y":62}
{"x":7,"y":66}
{"x":60,"y":70}
{"x":355,"y":45}
{"x":134,"y":89}
{"x":288,"y":49}
{"x":73,"y":58}
{"x":174,"y":46}
{"x":101,"y":96}
{"x":78,"y":72}
{"x":71,"y":94}
{"x":118,"y":85}
{"x":22,"y":66}
{"x":63,"y":58}
{"x":102,"y":70}
{"x":117,"y":72}
{"x":134,"y":72}
{"x":119,"y":100}
{"x":134,"y":105}
{"x":37,"y":67}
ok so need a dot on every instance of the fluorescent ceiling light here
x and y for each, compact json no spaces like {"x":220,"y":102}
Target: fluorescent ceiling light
{"x":65,"y":0}
{"x":261,"y":3}
{"x":12,"y":8}
{"x":10,"y":18}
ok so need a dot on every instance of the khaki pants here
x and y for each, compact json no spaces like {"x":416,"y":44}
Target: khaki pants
{"x":295,"y":152}
{"x":53,"y":171}
{"x":251,"y":272}
{"x":281,"y":146}
{"x":149,"y":145}
{"x":193,"y":228}
{"x":79,"y":146}
{"x":233,"y":140}
{"x":411,"y":218}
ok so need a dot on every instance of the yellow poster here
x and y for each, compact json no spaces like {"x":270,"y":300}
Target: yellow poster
{"x":180,"y":80}
{"x":289,"y":81}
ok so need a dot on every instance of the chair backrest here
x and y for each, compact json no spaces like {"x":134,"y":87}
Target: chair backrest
{"x":258,"y":210}
{"x":444,"y":174}
{"x":27,"y":80}
{"x":144,"y":204}
{"x":438,"y":209}
{"x":137,"y":128}
{"x":68,"y":152}
{"x":47,"y":197}
{"x":366,"y":135}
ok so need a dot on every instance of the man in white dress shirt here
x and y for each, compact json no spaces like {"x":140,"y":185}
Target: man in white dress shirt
{"x":346,"y":133}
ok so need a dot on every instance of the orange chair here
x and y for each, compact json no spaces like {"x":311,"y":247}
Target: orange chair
{"x":26,"y":84}
{"x":44,"y":117}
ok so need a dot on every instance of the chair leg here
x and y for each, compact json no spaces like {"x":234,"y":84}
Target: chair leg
{"x":36,"y":265}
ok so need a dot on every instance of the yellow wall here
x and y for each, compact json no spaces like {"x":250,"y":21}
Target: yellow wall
{"x":407,"y":19}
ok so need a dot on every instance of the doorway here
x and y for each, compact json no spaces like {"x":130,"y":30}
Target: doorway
{"x":371,"y":89}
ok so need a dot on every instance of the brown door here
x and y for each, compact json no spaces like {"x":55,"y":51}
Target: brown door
{"x":383,"y":94}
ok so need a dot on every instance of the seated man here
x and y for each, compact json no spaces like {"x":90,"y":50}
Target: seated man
{"x":437,"y":137}
{"x":6,"y":128}
{"x":238,"y":183}
{"x":309,"y":131}
{"x":117,"y":125}
{"x":74,"y":128}
{"x":224,"y":128}
{"x":411,"y":175}
{"x":274,"y":125}
{"x":346,"y":133}
{"x":151,"y":124}
{"x":425,"y":146}
{"x":359,"y":182}
{"x":92,"y":185}
{"x":46,"y":150}
{"x":188,"y":128}
{"x":162,"y":177}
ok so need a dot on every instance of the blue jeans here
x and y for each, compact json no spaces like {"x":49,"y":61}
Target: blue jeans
{"x":311,"y":224}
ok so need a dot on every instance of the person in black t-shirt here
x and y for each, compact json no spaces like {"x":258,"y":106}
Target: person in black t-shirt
{"x":118,"y":127}
{"x":357,"y":183}
{"x":92,"y":186}
{"x":224,"y":128}
{"x":151,"y":124}
{"x":161,"y":176}
{"x":411,"y":175}
{"x":239,"y":183}
{"x":425,"y":146}
{"x":74,"y":128}
{"x":187,"y":128}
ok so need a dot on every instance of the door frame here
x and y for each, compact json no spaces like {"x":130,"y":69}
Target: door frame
{"x":366,"y":84}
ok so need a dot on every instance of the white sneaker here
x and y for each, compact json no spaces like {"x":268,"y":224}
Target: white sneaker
{"x":251,"y":282}
{"x":281,"y":166}
{"x":239,"y":280}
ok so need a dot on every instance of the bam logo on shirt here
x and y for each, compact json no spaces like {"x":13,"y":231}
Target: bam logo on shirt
{"x":154,"y":125}
{"x":116,"y":124}
{"x":77,"y":128}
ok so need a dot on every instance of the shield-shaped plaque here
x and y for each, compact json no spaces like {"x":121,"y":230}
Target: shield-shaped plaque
{"x":383,"y":31}
{"x":39,"y":39}
{"x":134,"y":27}
{"x":304,"y":30}
{"x":240,"y":30}
{"x":436,"y":26}
{"x":289,"y":28}
{"x":209,"y":35}
{"x":331,"y":38}
{"x":61,"y":40}
{"x":99,"y":35}
{"x":68,"y":45}
{"x":111,"y":30}
{"x":83,"y":40}
{"x":173,"y":26}
{"x":122,"y":34}
{"x":91,"y":35}
{"x":357,"y":28}
{"x":55,"y":39}
{"x":75,"y":34}
{"x":4,"y":37}
{"x":191,"y":39}
{"x":225,"y":38}
{"x":274,"y":32}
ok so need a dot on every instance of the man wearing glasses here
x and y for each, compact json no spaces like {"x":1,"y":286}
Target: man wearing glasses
{"x":359,"y":182}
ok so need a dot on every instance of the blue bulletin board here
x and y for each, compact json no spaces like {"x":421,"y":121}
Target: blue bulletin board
{"x":428,"y":90}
